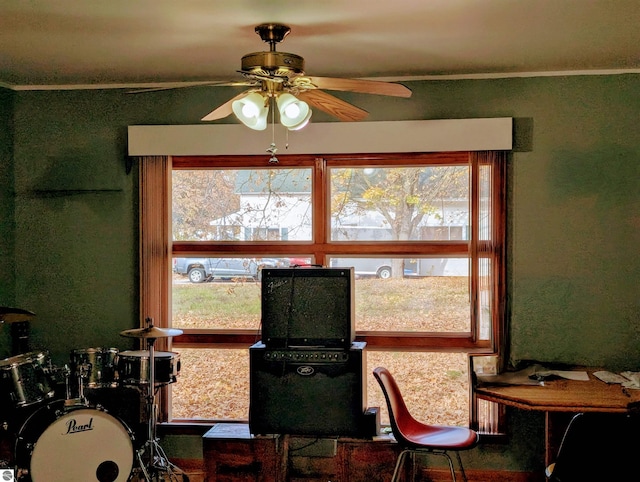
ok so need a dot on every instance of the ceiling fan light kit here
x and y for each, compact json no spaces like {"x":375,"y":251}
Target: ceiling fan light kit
{"x":280,"y":76}
{"x":252,"y":110}
{"x":294,"y":113}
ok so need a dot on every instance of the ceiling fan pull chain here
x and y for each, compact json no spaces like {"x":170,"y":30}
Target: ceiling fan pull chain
{"x":272,"y":148}
{"x":273,"y":121}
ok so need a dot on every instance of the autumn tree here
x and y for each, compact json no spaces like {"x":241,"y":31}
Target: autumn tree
{"x":198,"y":197}
{"x":403,"y":197}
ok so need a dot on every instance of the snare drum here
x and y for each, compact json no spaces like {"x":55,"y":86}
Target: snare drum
{"x":133,"y":367}
{"x":78,"y":443}
{"x":24,"y":380}
{"x":96,"y":367}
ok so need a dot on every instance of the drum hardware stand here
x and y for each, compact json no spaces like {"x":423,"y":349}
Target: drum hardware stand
{"x":156,"y":465}
{"x":67,"y":385}
{"x":84,"y":371}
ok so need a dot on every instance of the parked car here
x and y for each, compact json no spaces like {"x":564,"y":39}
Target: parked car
{"x":375,"y":267}
{"x":199,"y":270}
{"x":299,"y":261}
{"x":412,"y":267}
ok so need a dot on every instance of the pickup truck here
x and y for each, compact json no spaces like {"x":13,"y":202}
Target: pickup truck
{"x":199,"y":270}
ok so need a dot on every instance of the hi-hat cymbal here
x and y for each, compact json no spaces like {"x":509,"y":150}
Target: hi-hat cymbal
{"x":151,"y":332}
{"x":12,"y":315}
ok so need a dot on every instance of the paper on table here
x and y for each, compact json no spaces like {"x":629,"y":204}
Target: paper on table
{"x":626,"y":379}
{"x":532,"y":375}
{"x":580,"y":376}
{"x":609,"y":377}
{"x":633,"y":380}
{"x":520,"y":377}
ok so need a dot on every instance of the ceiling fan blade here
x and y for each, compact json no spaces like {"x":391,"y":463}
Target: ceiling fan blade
{"x":332,"y":105}
{"x":183,"y":85}
{"x":225,"y":109}
{"x":357,"y":85}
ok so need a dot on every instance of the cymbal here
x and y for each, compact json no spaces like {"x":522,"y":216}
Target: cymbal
{"x":12,"y":315}
{"x":151,"y":332}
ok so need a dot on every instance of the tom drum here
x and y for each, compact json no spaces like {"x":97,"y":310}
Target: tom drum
{"x":96,"y":367}
{"x":133,"y":367}
{"x":24,"y":380}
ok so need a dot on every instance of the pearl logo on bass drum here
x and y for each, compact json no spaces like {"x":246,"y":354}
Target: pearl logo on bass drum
{"x":74,"y":427}
{"x":305,"y":370}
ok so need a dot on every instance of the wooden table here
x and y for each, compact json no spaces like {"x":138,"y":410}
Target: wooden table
{"x":560,"y":399}
{"x":565,"y":396}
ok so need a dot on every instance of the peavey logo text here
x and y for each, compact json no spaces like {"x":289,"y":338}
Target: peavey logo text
{"x":74,"y":427}
{"x":305,"y":370}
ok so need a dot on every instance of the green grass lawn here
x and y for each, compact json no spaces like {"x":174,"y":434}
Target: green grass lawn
{"x":409,"y":304}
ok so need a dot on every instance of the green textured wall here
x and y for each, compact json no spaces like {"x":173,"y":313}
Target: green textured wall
{"x":574,"y":214}
{"x":7,"y":228}
{"x":76,"y":245}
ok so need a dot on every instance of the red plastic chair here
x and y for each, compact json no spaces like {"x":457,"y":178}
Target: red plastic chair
{"x":415,"y":437}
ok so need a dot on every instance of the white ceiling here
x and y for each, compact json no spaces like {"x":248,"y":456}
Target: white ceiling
{"x":121,"y":43}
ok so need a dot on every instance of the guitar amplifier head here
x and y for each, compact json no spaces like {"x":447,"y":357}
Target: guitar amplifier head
{"x":308,"y":307}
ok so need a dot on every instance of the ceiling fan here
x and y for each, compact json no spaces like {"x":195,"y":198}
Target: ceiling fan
{"x":278,"y":78}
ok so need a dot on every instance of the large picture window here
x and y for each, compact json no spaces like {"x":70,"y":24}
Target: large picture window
{"x":423,"y":232}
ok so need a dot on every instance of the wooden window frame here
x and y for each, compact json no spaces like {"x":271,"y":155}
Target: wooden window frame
{"x":157,"y":249}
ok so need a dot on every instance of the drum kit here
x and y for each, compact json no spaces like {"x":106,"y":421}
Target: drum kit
{"x":55,"y":427}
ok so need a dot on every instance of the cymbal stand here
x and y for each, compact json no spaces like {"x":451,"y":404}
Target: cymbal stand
{"x":156,"y":465}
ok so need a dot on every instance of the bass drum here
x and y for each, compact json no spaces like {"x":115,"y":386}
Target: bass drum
{"x":74,"y":444}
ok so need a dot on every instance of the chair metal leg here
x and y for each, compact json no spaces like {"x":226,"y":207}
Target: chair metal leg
{"x":464,"y":476}
{"x":444,"y":453}
{"x":412,"y":454}
{"x":399,"y":462}
{"x":413,"y":466}
{"x":453,"y":471}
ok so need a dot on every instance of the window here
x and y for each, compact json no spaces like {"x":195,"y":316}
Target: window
{"x":424,"y":233}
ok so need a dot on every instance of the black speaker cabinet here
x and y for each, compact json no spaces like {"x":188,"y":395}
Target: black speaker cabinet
{"x":308,"y":391}
{"x":308,"y":307}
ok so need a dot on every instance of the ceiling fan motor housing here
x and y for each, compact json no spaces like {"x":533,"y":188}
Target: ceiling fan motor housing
{"x":273,"y":63}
